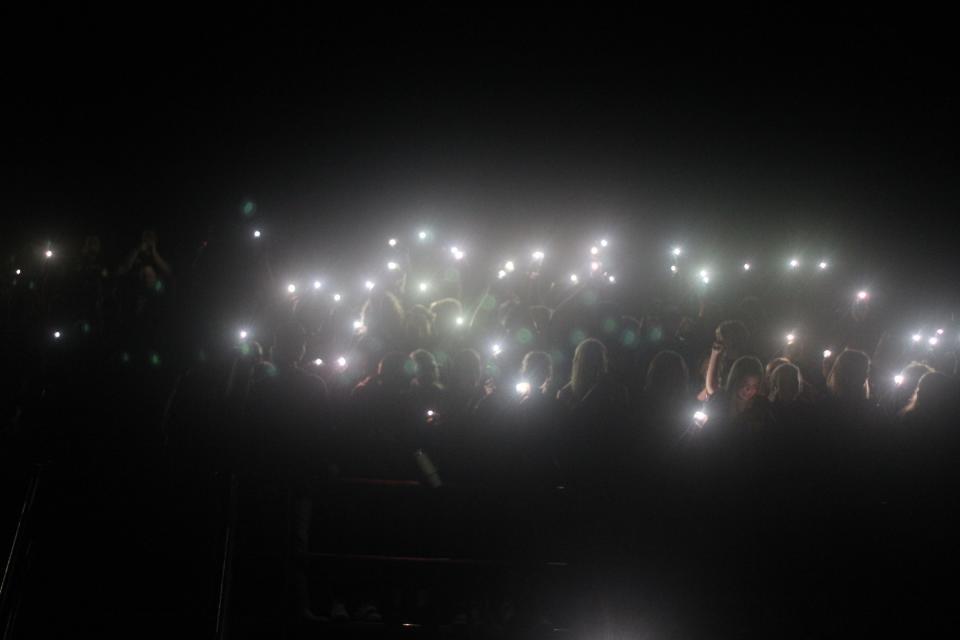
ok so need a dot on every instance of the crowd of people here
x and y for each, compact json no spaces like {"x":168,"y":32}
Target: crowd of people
{"x":456,"y":374}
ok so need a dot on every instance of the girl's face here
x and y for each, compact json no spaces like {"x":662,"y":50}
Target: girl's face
{"x":748,"y":388}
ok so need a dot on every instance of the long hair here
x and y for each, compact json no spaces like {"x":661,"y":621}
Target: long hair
{"x":848,"y":377}
{"x":589,"y":365}
{"x":667,"y":375}
{"x":743,"y":368}
{"x":785,"y":383}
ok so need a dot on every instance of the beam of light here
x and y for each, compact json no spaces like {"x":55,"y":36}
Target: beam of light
{"x":291,"y":288}
{"x":459,"y":321}
{"x":917,"y":337}
{"x":594,"y":266}
{"x":357,"y":325}
{"x":746,"y":266}
{"x":827,"y":353}
{"x":538,"y":255}
{"x":939,"y":332}
{"x":823,"y":265}
{"x":369,"y":285}
{"x":424,"y":286}
{"x":677,"y":251}
{"x":862,"y":295}
{"x":496,"y":349}
{"x":933,"y":341}
{"x":57,"y":334}
{"x":422,"y":235}
{"x":594,"y":251}
{"x":257,"y":234}
{"x":700,"y":418}
{"x":318,"y":362}
{"x":243,"y":334}
{"x":392,"y":266}
{"x":523,"y":388}
{"x":18,"y":272}
{"x":791,"y":338}
{"x":317,"y":284}
{"x":574,"y":279}
{"x":509,"y":266}
{"x":604,"y":243}
{"x":337,"y":297}
{"x":898,"y":379}
{"x":794,"y":263}
{"x":612,"y":280}
{"x":431,"y":413}
{"x":341,"y":362}
{"x":48,"y":253}
{"x":706,"y":279}
{"x":392,"y":242}
{"x":673,"y":268}
{"x":501,"y":274}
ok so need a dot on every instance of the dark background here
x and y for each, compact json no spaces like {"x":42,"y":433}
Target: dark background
{"x":779,"y":131}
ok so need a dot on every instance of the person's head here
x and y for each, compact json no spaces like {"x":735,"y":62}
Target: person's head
{"x":541,"y":318}
{"x":848,"y":377}
{"x":768,"y":371}
{"x":289,"y":344}
{"x":733,"y":336}
{"x":589,"y":365}
{"x":667,"y":376}
{"x":467,"y":370}
{"x":382,"y":315}
{"x":785,"y":383}
{"x":743,"y":382}
{"x":911,"y":378}
{"x":935,"y":395}
{"x":148,"y":276}
{"x":427,"y":371}
{"x":446,"y":312}
{"x":537,"y":369}
{"x":419,"y":325}
{"x":149,"y":237}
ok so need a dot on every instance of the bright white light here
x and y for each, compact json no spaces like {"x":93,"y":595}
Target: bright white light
{"x":454,"y":250}
{"x":48,"y":253}
{"x":18,"y":271}
{"x":794,"y":263}
{"x":422,"y":235}
{"x":337,"y":297}
{"x":704,"y":273}
{"x":917,"y":337}
{"x":342,"y":362}
{"x":827,"y":353}
{"x":318,"y":362}
{"x":291,"y":288}
{"x":673,"y":268}
{"x":392,"y":242}
{"x":496,"y":350}
{"x":317,"y":284}
{"x":509,"y":266}
{"x":430,"y":413}
{"x":424,"y":286}
{"x":933,"y":341}
{"x":676,"y":251}
{"x":700,"y":418}
{"x":392,"y":266}
{"x":369,"y":285}
{"x":939,"y":332}
{"x":538,"y":255}
{"x":604,"y":243}
{"x":459,"y":321}
{"x":243,"y":334}
{"x":501,"y":274}
{"x":823,"y":265}
{"x":459,"y":255}
{"x":706,"y":279}
{"x":523,"y":388}
{"x":861,"y":295}
{"x":612,"y":280}
{"x":898,"y":379}
{"x":574,"y":279}
{"x":791,"y":338}
{"x":594,"y":266}
{"x":594,"y":251}
{"x":357,"y":324}
{"x":746,"y":266}
{"x":56,"y":334}
{"x":256,"y":234}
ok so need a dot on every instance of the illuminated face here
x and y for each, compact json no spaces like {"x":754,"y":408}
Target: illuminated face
{"x":748,"y":388}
